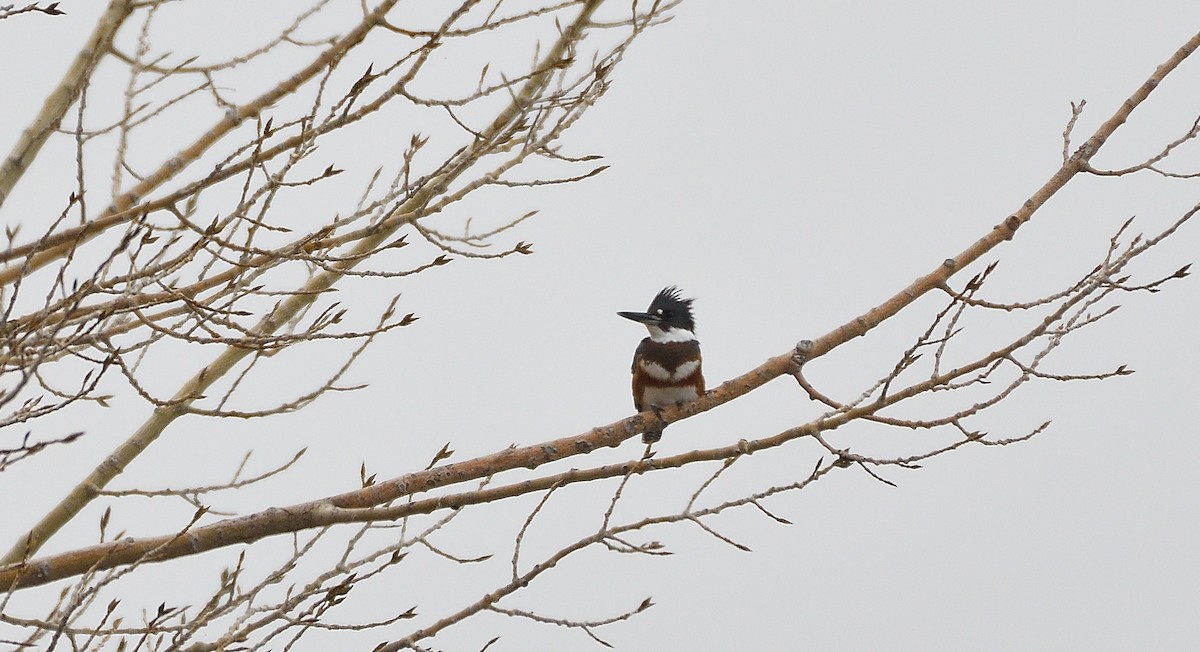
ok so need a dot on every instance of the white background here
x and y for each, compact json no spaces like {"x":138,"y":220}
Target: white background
{"x":790,"y":165}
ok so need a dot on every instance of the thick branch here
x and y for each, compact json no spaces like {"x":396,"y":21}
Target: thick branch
{"x":62,"y":97}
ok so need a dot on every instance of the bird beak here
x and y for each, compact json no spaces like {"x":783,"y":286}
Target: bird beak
{"x":640,"y":317}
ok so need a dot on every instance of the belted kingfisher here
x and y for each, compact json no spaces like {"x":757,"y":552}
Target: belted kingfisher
{"x":666,"y":365}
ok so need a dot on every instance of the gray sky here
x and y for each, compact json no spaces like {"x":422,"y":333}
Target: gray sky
{"x":790,"y":165}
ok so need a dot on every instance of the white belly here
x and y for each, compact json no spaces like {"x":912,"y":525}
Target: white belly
{"x":664,"y":396}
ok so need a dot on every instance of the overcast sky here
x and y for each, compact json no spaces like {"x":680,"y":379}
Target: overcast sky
{"x":789,"y":165}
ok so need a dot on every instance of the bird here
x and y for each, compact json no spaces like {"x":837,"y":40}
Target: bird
{"x":666,"y":365}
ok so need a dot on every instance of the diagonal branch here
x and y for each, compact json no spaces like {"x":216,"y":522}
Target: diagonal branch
{"x":63,"y":96}
{"x":355,"y":507}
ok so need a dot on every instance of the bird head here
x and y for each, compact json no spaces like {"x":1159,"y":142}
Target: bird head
{"x":669,"y":317}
